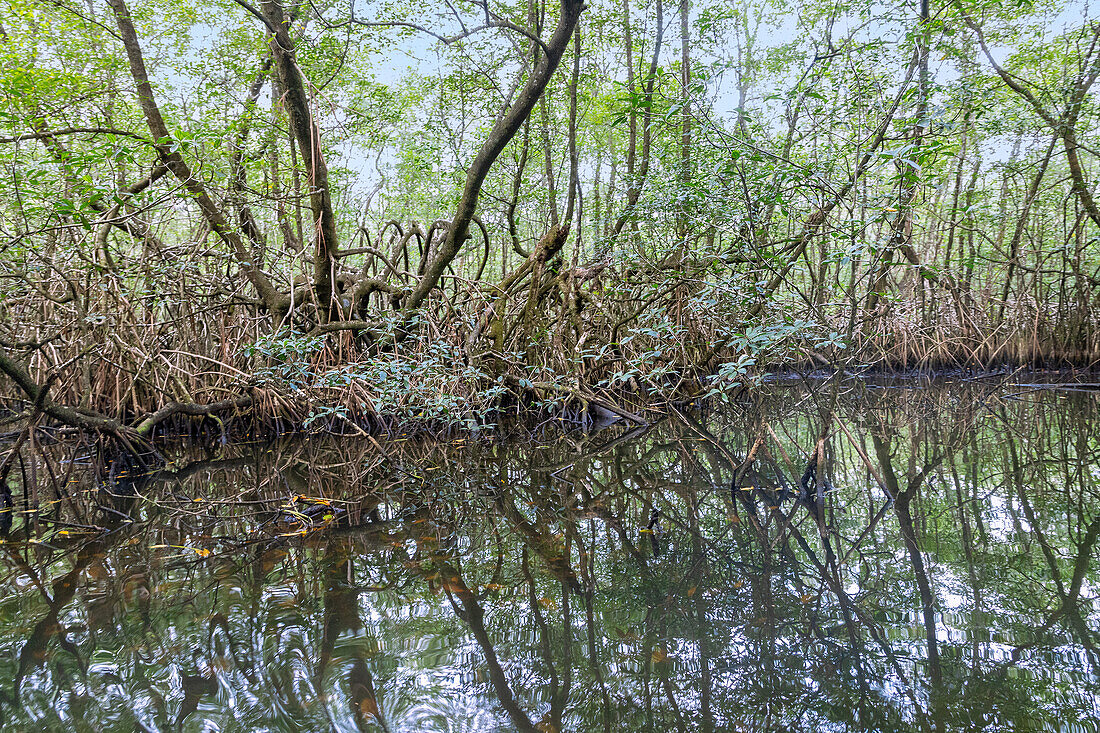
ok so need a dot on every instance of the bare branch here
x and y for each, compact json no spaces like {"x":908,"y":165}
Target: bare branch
{"x":44,"y":135}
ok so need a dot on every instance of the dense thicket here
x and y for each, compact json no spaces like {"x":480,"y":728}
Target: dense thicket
{"x":431,"y":211}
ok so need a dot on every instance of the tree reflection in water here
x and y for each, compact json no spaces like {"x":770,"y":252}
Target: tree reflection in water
{"x":851,"y":558}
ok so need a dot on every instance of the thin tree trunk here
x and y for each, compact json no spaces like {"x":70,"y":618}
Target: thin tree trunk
{"x":308,"y":136}
{"x":502,"y":133}
{"x":636,"y":179}
{"x":170,"y":156}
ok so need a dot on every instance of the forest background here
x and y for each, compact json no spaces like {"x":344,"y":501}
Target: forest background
{"x":338,"y":215}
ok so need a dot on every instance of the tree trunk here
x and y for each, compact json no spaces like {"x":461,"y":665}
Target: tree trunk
{"x":293,"y":95}
{"x":170,"y":156}
{"x":502,"y":133}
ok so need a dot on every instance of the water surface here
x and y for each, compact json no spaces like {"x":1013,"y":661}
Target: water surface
{"x":935,"y":570}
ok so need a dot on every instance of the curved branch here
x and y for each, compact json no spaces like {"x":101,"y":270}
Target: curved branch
{"x":1064,"y":125}
{"x":502,"y":133}
{"x":485,"y":256}
{"x":368,"y":250}
{"x":84,"y":420}
{"x":40,"y":135}
{"x":145,"y":427}
{"x":172,"y":159}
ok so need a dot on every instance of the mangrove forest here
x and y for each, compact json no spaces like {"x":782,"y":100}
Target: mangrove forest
{"x":444,"y":213}
{"x":549,"y":365}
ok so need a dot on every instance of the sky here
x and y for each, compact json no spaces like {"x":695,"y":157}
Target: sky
{"x":417,"y":54}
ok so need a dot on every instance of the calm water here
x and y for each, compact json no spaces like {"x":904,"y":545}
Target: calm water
{"x":608,"y":581}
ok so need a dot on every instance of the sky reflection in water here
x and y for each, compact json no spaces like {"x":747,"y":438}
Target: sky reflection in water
{"x":604,"y":581}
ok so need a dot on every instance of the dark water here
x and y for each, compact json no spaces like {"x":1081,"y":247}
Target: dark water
{"x":608,"y":581}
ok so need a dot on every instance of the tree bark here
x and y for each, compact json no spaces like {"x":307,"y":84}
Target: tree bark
{"x":308,"y":136}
